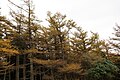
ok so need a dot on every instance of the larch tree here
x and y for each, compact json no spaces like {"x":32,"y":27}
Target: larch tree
{"x":115,"y":41}
{"x":26,"y":37}
{"x":115,"y":48}
{"x":53,"y":42}
{"x":86,"y":50}
{"x":6,"y":48}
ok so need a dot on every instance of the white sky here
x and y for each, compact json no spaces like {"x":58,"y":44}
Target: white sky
{"x":92,"y":15}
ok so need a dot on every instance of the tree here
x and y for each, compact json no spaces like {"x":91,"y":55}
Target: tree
{"x":83,"y":46}
{"x":58,"y":31}
{"x":53,"y":41}
{"x":6,"y":51}
{"x":115,"y":44}
{"x":5,"y":28}
{"x":103,"y":70}
{"x":26,"y":37}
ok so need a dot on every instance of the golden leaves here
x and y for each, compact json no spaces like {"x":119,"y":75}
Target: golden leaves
{"x":31,"y":51}
{"x":6,"y":47}
{"x":5,"y":43}
{"x":73,"y":67}
{"x":8,"y":51}
{"x":48,"y":63}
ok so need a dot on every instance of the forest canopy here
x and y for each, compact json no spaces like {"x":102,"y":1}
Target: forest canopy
{"x":62,"y":50}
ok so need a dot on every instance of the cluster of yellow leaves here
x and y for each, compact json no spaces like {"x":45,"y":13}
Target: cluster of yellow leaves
{"x":53,"y":31}
{"x":5,"y":43}
{"x":68,"y":68}
{"x":6,"y":48}
{"x":49,"y":63}
{"x":8,"y":51}
{"x":31,"y":51}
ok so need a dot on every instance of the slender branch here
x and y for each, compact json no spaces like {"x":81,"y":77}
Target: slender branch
{"x":18,"y":6}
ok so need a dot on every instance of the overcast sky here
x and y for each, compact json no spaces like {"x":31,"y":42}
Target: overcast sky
{"x":93,"y":15}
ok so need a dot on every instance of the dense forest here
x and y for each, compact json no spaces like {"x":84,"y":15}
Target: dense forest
{"x":60,"y":51}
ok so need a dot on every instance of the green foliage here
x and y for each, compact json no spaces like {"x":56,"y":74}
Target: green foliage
{"x":102,"y":70}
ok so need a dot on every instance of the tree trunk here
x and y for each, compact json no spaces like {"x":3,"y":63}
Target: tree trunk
{"x":24,"y":68}
{"x":5,"y":75}
{"x":52,"y":74}
{"x":31,"y":70}
{"x":17,"y":67}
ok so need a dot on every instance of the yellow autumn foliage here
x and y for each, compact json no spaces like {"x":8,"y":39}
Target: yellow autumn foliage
{"x":8,"y":51}
{"x":6,"y":47}
{"x":48,"y":62}
{"x":5,"y":43}
{"x":73,"y":67}
{"x":31,"y":51}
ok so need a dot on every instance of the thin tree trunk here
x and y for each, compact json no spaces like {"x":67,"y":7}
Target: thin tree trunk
{"x":65,"y":77}
{"x":31,"y":70}
{"x":29,"y":26}
{"x":9,"y":69}
{"x":17,"y":67}
{"x":52,"y":74}
{"x":9,"y":74}
{"x":5,"y":75}
{"x":24,"y":68}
